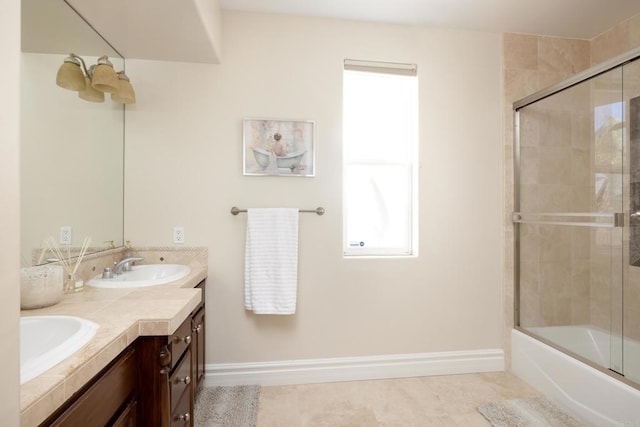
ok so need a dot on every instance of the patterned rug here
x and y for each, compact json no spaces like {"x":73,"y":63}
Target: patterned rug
{"x":235,"y":406}
{"x":533,"y":412}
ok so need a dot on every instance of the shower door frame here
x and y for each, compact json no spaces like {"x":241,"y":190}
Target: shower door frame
{"x":617,"y":219}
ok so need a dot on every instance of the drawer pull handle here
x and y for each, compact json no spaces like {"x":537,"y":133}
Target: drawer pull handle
{"x":186,"y":380}
{"x":183,"y":417}
{"x":186,"y":340}
{"x":197,"y":329}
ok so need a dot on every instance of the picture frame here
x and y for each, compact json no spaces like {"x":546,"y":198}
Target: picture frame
{"x":279,"y":147}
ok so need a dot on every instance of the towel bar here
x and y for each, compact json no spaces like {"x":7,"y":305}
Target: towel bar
{"x":319,"y":211}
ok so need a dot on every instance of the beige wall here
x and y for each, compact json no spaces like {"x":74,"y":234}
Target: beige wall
{"x":10,"y":212}
{"x":184,"y":161}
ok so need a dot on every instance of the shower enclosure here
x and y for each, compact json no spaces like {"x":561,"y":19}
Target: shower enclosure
{"x":577,"y":217}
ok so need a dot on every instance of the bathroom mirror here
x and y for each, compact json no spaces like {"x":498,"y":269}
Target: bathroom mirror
{"x":72,"y":150}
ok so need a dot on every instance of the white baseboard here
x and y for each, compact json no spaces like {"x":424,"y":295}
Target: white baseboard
{"x":354,"y":368}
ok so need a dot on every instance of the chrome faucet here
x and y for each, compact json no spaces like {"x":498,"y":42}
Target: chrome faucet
{"x":125,"y":264}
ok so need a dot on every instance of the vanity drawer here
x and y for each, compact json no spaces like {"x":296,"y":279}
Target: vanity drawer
{"x":180,"y":380}
{"x":182,"y":415}
{"x":180,"y":340}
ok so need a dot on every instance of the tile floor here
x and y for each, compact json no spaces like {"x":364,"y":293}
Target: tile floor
{"x":426,"y":401}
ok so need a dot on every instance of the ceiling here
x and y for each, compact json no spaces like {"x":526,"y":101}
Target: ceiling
{"x":190,"y":30}
{"x":164,"y":30}
{"x":53,"y":27}
{"x":582,"y":19}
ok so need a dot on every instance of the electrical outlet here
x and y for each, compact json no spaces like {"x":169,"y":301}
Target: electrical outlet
{"x":65,"y":235}
{"x":178,"y":235}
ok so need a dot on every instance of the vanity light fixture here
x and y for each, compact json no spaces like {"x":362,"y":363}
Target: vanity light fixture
{"x":125,"y":94}
{"x":70,"y":75}
{"x":104,"y":77}
{"x":92,"y":83}
{"x":89,"y":93}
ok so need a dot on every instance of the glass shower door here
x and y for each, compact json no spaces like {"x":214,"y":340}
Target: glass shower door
{"x":569,"y":204}
{"x":631,"y":287}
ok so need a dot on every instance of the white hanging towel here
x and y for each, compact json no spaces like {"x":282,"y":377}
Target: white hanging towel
{"x":271,"y":261}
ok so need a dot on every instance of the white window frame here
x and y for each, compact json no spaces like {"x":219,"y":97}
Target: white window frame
{"x":410,"y":163}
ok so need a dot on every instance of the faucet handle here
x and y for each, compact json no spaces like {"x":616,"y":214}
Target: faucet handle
{"x":107,"y":273}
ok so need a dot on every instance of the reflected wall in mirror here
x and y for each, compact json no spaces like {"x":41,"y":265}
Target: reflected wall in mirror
{"x":72,"y":150}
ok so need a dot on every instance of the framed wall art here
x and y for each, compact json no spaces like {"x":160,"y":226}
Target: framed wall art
{"x":279,"y":147}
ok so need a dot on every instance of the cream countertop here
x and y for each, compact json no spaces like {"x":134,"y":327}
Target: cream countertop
{"x":123,"y":315}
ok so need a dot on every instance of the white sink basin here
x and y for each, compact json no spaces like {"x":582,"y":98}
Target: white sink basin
{"x":46,"y":341}
{"x":142,"y":276}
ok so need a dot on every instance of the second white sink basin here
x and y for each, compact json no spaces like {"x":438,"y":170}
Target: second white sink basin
{"x":46,"y":341}
{"x":142,"y":276}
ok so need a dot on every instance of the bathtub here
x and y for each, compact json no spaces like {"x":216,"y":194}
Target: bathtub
{"x":585,"y":392}
{"x":290,"y":161}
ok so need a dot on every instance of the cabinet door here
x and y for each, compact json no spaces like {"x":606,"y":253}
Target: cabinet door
{"x":102,"y":400}
{"x":198,"y":329}
{"x":128,"y":417}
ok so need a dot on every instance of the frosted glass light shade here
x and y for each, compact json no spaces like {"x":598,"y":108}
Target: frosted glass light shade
{"x":70,"y":76}
{"x":104,"y":76}
{"x":90,"y":94}
{"x":125,"y":94}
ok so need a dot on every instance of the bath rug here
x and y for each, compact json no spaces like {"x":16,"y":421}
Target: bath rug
{"x":234,"y":406}
{"x":531,"y":412}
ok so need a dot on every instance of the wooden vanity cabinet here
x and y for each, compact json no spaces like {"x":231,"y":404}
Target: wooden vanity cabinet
{"x":151,"y":383}
{"x":198,"y":344}
{"x":170,"y":369}
{"x":129,"y":417}
{"x":108,"y":399}
{"x":164,"y":377}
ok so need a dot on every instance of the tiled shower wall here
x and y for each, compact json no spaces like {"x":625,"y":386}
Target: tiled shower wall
{"x":555,"y":151}
{"x":621,"y":38}
{"x":532,"y":63}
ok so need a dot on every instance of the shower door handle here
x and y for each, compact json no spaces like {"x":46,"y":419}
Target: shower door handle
{"x":634,"y":218}
{"x":580,"y":219}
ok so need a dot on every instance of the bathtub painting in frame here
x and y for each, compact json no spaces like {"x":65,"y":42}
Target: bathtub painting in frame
{"x":279,"y":147}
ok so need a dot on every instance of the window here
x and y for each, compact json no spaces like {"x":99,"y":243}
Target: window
{"x":380,"y":134}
